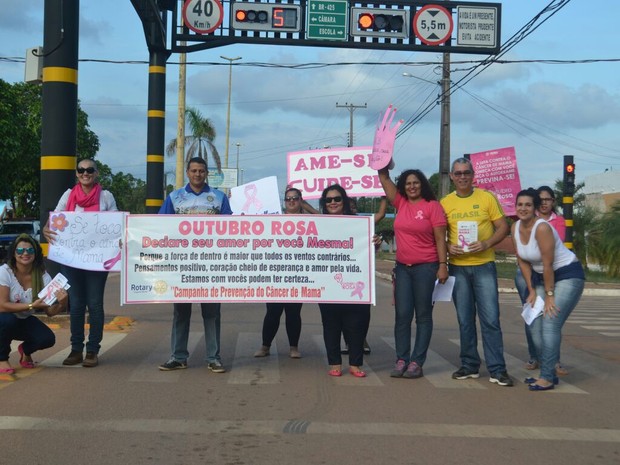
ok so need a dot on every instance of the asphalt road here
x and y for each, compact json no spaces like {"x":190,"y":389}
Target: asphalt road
{"x":278,"y":410}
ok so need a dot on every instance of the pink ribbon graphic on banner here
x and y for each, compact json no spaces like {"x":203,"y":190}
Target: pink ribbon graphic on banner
{"x":359,"y":287}
{"x":250,"y":192}
{"x":463,"y":242}
{"x":108,"y":264}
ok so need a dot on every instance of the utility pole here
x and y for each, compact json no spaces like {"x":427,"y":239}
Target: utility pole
{"x":230,"y":62}
{"x":444,"y":130}
{"x":180,"y":161}
{"x":351,"y":109}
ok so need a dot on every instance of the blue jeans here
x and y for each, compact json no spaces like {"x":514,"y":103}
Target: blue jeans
{"x":35,"y":334}
{"x":87,"y":288}
{"x":413,"y":293}
{"x":523,"y":294}
{"x":211,"y":317}
{"x":547,"y":331}
{"x":475,"y":291}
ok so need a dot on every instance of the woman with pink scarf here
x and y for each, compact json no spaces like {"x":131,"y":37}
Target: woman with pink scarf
{"x":87,"y":287}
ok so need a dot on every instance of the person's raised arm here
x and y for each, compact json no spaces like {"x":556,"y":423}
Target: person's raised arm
{"x":388,"y":185}
{"x":382,"y":210}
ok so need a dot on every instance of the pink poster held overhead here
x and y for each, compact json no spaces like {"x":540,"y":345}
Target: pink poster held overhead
{"x":496,"y":170}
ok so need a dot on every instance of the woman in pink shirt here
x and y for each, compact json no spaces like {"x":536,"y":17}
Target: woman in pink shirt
{"x":420,"y":231}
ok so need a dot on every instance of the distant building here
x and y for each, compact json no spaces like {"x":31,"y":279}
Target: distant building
{"x":602,"y":190}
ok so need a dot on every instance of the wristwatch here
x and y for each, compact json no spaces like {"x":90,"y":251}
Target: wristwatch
{"x":550,"y":293}
{"x":30,"y":307}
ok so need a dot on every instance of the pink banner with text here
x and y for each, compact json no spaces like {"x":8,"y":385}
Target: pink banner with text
{"x":496,"y":171}
{"x":266,"y":258}
{"x":311,"y":171}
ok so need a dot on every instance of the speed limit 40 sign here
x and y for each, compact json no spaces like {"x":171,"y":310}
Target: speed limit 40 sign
{"x":203,"y":16}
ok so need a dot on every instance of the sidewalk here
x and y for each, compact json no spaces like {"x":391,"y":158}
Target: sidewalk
{"x":383,"y":269}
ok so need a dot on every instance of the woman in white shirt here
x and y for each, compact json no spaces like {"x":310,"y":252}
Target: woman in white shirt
{"x":552,"y":272}
{"x":87,"y":286}
{"x":21,"y":279}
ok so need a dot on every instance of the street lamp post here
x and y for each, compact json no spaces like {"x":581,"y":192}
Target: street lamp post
{"x":230,"y":61}
{"x":238,"y":144}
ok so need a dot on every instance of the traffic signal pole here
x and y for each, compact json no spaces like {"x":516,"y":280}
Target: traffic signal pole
{"x":567,"y":198}
{"x":59,"y":103}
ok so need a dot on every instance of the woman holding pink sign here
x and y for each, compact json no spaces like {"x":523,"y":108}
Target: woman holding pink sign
{"x":421,"y":258}
{"x":21,"y":280}
{"x":87,"y":286}
{"x":348,"y":320}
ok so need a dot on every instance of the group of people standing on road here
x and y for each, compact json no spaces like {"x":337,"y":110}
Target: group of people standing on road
{"x":430,"y":248}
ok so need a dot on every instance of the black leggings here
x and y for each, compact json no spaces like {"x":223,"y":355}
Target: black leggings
{"x":271,"y":323}
{"x":349,"y":320}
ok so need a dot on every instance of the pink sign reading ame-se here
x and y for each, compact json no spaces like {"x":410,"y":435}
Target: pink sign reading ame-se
{"x":311,"y":171}
{"x":496,"y":171}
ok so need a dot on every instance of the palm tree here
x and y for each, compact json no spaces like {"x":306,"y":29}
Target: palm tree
{"x":200,"y":141}
{"x":604,"y":240}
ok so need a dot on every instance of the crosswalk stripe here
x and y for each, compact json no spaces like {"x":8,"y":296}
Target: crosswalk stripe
{"x":371,"y":379}
{"x":248,"y":369}
{"x":148,"y":370}
{"x":601,"y":327}
{"x":438,"y":370}
{"x":519,"y":373}
{"x":109,"y":341}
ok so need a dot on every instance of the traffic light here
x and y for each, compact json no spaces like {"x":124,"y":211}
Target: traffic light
{"x":569,"y":173}
{"x":567,"y":198}
{"x":252,"y":16}
{"x":380,"y":22}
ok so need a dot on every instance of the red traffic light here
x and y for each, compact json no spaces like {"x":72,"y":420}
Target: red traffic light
{"x":366,"y":21}
{"x":251,"y":16}
{"x":570,"y":168}
{"x":380,"y":22}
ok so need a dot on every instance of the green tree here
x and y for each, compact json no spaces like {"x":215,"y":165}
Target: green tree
{"x":604,"y":240}
{"x":200,"y":141}
{"x":385,"y":228}
{"x":128,"y":191}
{"x":20,"y":145}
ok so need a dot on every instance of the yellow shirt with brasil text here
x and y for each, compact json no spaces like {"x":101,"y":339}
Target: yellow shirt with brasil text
{"x":483,"y":208}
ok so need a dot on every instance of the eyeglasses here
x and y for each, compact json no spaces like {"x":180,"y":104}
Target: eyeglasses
{"x":89,"y":170}
{"x":291,"y":199}
{"x":546,"y":199}
{"x":23,"y":250}
{"x":462,"y":173}
{"x":333,"y":199}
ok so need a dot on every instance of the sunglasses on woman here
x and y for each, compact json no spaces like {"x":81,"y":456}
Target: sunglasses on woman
{"x":333,"y":199}
{"x":89,"y":170}
{"x":23,"y":250}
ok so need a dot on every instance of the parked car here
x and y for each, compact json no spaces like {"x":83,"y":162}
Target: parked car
{"x":9,"y":230}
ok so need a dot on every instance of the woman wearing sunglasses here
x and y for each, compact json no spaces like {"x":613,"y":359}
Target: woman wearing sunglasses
{"x":21,"y":279}
{"x":348,"y":320}
{"x":87,"y":286}
{"x":293,"y":205}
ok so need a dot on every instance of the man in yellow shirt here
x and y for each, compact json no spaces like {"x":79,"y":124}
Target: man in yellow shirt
{"x":476,"y":223}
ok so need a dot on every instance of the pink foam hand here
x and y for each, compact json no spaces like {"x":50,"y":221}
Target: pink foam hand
{"x":383,"y":145}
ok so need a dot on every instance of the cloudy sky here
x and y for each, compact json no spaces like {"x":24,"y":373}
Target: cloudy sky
{"x":544,"y":110}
